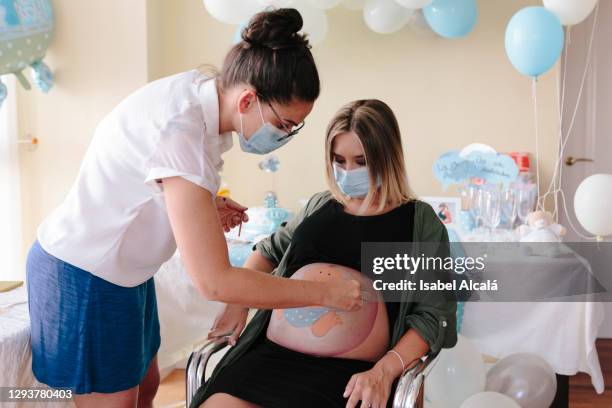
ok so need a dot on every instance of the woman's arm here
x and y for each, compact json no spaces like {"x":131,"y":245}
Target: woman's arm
{"x":195,"y":223}
{"x":259,"y":262}
{"x":410,"y":348}
{"x":373,"y":387}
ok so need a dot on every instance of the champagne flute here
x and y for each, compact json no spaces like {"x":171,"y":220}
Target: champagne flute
{"x":526,"y":202}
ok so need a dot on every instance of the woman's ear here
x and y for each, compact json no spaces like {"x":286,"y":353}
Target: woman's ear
{"x":246,"y":99}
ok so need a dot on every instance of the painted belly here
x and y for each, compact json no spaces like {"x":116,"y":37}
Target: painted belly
{"x":316,"y":330}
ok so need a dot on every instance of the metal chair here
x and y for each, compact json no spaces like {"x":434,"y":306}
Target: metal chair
{"x":409,"y":387}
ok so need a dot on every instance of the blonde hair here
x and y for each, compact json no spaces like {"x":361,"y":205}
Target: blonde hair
{"x":374,"y":123}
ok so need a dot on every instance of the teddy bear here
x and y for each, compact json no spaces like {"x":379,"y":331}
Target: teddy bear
{"x":541,"y":227}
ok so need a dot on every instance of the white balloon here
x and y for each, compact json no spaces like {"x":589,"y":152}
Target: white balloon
{"x":571,"y":12}
{"x":232,"y":11}
{"x":489,"y":399}
{"x":418,"y":24}
{"x":315,"y":21}
{"x":413,"y":4}
{"x":592,"y":204}
{"x":385,"y":16}
{"x":276,"y":3}
{"x":353,"y":4}
{"x":324,"y":4}
{"x":458,"y":373}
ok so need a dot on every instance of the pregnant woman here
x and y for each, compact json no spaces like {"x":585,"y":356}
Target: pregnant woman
{"x":322,"y":357}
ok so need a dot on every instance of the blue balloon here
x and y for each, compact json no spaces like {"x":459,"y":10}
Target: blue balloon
{"x":451,"y":18}
{"x":534,"y":40}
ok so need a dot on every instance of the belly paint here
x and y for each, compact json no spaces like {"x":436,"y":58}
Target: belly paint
{"x":305,"y":316}
{"x":321,"y":330}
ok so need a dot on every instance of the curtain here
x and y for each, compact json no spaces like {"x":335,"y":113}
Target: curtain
{"x":11,"y":257}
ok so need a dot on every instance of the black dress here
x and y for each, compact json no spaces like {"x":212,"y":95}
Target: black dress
{"x":273,"y":376}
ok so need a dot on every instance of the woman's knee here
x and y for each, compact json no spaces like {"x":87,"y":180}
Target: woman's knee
{"x":222,"y":400}
{"x":121,"y":399}
{"x":149,"y":385}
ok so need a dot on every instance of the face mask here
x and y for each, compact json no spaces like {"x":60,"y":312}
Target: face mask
{"x":354,"y":183}
{"x":265,"y":139}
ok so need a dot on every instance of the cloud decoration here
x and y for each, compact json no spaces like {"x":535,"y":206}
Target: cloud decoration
{"x":451,"y":168}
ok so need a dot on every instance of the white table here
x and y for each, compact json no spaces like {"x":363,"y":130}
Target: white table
{"x":563,"y":333}
{"x":15,"y":353}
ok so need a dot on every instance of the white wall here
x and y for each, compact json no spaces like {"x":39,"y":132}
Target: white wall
{"x":99,"y":55}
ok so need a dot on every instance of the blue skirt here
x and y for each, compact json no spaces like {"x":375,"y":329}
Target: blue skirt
{"x":88,"y":335}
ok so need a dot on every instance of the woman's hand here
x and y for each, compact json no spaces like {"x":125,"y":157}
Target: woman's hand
{"x":344,"y":295}
{"x":230,"y":212}
{"x":373,"y":387}
{"x":232,"y":321}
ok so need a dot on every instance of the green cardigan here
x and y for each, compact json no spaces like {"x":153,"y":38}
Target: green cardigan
{"x":434,"y":319}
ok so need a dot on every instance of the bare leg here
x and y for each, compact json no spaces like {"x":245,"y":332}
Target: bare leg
{"x":222,"y":400}
{"x":121,"y":399}
{"x":149,"y":385}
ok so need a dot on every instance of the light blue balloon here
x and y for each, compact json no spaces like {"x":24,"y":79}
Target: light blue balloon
{"x":534,"y":40}
{"x":451,"y":18}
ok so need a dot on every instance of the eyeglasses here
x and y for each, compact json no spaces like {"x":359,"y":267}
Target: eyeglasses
{"x":290,"y":132}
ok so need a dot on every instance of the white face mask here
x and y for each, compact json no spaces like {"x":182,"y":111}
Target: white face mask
{"x":265,"y":139}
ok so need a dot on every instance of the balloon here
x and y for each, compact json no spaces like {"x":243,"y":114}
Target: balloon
{"x":353,"y":4}
{"x":26,"y":32}
{"x":452,"y":18}
{"x":315,"y":21}
{"x":385,"y":16}
{"x":413,"y":4}
{"x":276,"y":3}
{"x":490,"y":399}
{"x":458,"y":373}
{"x":232,"y":11}
{"x":324,"y":4}
{"x":592,"y":204}
{"x":571,"y":12}
{"x":534,"y":40}
{"x":525,"y":377}
{"x":417,"y":23}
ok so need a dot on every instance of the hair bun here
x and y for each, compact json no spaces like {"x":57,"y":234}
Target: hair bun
{"x":276,"y":29}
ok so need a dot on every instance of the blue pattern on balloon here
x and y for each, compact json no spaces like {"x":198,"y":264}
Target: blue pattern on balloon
{"x":26,"y":30}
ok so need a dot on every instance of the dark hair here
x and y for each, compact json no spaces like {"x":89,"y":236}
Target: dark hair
{"x":273,"y":58}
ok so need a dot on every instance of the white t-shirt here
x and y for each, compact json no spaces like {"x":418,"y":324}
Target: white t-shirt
{"x":114,"y":223}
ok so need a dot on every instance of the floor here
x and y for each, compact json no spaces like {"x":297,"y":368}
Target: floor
{"x":171,"y":392}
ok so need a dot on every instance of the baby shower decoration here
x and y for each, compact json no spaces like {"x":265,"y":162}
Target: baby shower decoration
{"x":447,"y":18}
{"x":451,"y":18}
{"x":263,"y":220}
{"x":26,"y":29}
{"x":474,"y":161}
{"x":571,"y":12}
{"x":459,"y":373}
{"x":592,"y":205}
{"x":526,"y":378}
{"x":534,"y":40}
{"x":496,"y":195}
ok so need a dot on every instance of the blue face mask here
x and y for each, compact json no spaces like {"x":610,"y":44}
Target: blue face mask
{"x":354,"y":183}
{"x":265,"y":139}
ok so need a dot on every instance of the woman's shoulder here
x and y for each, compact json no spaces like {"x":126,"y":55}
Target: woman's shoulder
{"x":317,"y":200}
{"x":428,"y":225}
